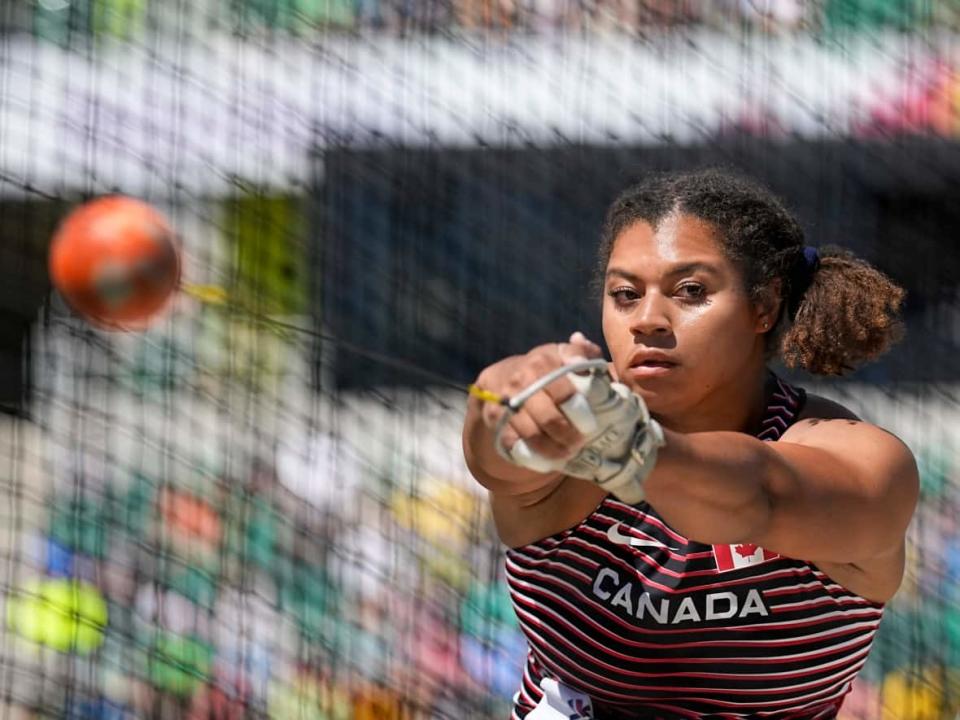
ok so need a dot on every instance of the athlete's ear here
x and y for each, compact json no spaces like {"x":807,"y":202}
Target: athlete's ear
{"x":767,"y":306}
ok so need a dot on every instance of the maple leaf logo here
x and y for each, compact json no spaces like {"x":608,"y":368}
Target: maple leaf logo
{"x":746,"y":550}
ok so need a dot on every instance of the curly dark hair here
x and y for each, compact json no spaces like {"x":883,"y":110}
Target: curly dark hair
{"x":835,"y":315}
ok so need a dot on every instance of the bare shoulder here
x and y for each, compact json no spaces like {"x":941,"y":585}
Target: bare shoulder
{"x":822,"y":418}
{"x":827,"y":423}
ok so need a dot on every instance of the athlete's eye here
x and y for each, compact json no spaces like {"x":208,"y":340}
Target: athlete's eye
{"x":692,"y":292}
{"x":623,"y":296}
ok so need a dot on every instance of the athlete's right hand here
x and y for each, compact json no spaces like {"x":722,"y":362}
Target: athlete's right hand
{"x":539,"y":422}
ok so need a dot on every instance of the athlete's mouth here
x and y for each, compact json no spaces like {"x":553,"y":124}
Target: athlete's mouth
{"x":647,"y":363}
{"x":652,"y":359}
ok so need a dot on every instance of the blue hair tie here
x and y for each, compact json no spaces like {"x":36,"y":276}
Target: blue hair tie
{"x":811,"y":261}
{"x":806,"y":266}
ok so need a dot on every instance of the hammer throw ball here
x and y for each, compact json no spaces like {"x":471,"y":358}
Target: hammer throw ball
{"x":115,"y":261}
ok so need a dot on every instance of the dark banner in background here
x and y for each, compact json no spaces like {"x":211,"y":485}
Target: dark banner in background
{"x":450,"y":259}
{"x":25,"y":230}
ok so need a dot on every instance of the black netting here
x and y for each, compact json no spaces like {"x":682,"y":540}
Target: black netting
{"x":224,"y":516}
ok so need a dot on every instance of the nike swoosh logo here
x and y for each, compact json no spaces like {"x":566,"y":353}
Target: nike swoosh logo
{"x":615,"y":536}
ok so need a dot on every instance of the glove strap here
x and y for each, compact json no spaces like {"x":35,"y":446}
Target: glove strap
{"x":622,"y":475}
{"x":627,"y":483}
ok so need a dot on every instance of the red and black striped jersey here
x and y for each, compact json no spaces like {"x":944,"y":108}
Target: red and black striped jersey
{"x":651,"y":624}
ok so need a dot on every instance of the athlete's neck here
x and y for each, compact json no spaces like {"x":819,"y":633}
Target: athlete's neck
{"x":738,"y":406}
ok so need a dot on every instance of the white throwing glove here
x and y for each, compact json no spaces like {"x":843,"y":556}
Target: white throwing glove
{"x":622,"y":438}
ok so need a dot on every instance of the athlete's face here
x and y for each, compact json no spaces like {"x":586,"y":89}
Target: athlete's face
{"x":676,"y":316}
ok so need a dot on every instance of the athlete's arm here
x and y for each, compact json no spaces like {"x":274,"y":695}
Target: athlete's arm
{"x":833,"y":490}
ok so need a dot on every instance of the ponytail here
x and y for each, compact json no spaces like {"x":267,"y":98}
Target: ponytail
{"x":844,"y":313}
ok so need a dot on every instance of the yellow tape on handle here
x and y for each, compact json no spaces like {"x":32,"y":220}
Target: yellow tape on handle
{"x":211,"y":294}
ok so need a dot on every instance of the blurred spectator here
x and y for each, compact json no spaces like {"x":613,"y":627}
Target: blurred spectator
{"x":775,"y":16}
{"x":870,"y":15}
{"x":545,"y":16}
{"x":473,"y":15}
{"x":659,"y":14}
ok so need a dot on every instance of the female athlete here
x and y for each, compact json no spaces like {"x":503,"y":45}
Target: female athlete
{"x":751,"y":579}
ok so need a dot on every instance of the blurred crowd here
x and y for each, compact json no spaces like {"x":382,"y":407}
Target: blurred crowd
{"x":209,"y":569}
{"x":638,"y":18}
{"x":210,"y":598}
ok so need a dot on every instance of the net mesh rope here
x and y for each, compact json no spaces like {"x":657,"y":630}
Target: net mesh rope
{"x":219,"y":517}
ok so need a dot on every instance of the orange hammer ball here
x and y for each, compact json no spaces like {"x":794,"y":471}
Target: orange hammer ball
{"x":115,"y":261}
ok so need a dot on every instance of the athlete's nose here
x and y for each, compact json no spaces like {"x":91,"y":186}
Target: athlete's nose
{"x":651,"y":316}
